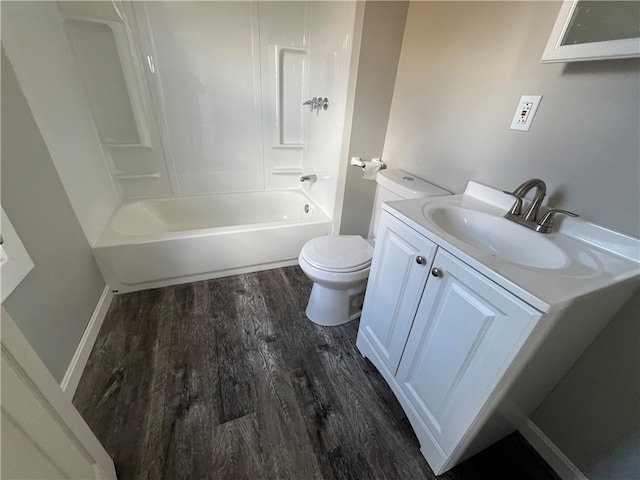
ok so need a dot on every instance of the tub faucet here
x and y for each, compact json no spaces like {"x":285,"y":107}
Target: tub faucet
{"x":309,"y":178}
{"x":519,"y":194}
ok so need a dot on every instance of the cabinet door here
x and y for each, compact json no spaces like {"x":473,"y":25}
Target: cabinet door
{"x":466,"y":331}
{"x":401,"y":263}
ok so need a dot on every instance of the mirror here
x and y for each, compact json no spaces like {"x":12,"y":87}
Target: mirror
{"x":594,"y":30}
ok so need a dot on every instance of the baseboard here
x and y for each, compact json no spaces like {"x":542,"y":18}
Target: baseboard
{"x":71,"y":378}
{"x":550,"y":453}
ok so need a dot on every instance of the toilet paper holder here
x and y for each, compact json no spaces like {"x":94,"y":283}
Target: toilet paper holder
{"x":358,"y":162}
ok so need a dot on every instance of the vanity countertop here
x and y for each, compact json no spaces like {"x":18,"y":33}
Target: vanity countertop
{"x":592,"y":257}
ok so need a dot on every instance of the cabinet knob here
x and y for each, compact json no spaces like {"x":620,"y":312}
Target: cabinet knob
{"x":420,"y":260}
{"x":436,"y":272}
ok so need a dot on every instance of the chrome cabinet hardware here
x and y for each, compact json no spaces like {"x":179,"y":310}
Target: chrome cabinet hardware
{"x":420,"y":260}
{"x":436,"y":272}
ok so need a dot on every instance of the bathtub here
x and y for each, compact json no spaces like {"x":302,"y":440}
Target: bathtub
{"x":156,"y":242}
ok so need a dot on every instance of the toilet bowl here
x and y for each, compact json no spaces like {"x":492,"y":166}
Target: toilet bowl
{"x":339,"y":268}
{"x":339,"y":265}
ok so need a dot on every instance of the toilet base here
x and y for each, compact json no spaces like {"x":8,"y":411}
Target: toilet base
{"x":329,"y":307}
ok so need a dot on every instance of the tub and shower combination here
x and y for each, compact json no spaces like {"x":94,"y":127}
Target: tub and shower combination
{"x":206,"y":99}
{"x":151,"y":243}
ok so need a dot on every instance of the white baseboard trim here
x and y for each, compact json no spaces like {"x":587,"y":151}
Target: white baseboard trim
{"x":550,"y":453}
{"x":71,"y":378}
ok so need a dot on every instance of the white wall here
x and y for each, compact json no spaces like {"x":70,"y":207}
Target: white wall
{"x":284,"y":62}
{"x":230,"y":81}
{"x":54,"y":302}
{"x":462,"y":69}
{"x":208,"y":65}
{"x":35,"y":44}
{"x":332,"y":38}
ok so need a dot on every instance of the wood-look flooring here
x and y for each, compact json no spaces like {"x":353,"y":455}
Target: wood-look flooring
{"x":227,"y":379}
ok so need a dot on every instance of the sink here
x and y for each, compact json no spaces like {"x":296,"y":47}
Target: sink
{"x":547,"y":271}
{"x":497,"y":236}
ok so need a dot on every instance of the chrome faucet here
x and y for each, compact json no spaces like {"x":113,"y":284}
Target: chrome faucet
{"x":528,"y":218}
{"x":520,"y":192}
{"x":309,"y":178}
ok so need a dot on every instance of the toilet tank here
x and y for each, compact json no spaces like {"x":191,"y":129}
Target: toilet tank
{"x":398,"y":185}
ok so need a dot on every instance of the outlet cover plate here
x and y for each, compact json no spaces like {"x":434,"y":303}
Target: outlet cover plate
{"x":527,"y":107}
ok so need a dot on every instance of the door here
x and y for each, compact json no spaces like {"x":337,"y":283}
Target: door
{"x":466,"y":332}
{"x":401,"y":262}
{"x":43,"y":435}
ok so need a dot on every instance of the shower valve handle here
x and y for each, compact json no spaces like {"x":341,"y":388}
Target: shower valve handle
{"x":317,"y":103}
{"x":313,"y":103}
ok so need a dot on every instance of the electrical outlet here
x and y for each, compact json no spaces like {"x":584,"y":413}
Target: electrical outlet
{"x":524,"y":113}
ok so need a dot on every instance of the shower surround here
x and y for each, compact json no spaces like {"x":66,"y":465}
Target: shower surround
{"x":221,"y":87}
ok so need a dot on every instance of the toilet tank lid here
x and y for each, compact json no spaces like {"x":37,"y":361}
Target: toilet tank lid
{"x":407,"y":185}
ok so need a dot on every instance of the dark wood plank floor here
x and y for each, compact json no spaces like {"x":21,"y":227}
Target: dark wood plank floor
{"x":227,"y":379}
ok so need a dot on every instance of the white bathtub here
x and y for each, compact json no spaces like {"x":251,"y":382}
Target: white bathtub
{"x":156,"y":242}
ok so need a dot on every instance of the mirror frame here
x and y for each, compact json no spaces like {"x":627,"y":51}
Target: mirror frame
{"x":611,"y":49}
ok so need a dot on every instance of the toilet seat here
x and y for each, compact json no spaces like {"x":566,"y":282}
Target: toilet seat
{"x":341,"y":254}
{"x":339,"y":266}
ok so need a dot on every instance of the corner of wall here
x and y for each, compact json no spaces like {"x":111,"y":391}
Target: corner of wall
{"x":35,"y":45}
{"x":71,"y":378}
{"x":551,"y":454}
{"x":382,"y":36}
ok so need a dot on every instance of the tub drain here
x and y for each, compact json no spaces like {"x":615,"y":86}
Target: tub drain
{"x":306,"y":208}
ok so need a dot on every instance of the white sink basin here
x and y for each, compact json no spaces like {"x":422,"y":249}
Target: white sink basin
{"x":498,"y":236}
{"x":547,"y":271}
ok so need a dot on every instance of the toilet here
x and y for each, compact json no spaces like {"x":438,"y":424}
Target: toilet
{"x":339,"y":265}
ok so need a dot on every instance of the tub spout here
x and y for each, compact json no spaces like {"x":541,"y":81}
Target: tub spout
{"x":309,"y":178}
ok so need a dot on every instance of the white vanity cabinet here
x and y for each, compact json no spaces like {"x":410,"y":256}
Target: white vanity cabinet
{"x":472,"y":320}
{"x":399,"y":272}
{"x":465,"y":333}
{"x":440,"y":333}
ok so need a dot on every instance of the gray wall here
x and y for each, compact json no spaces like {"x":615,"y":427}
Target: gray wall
{"x":462,"y":70}
{"x":379,"y":53}
{"x":463,"y":67}
{"x":55,"y":301}
{"x":593,"y":415}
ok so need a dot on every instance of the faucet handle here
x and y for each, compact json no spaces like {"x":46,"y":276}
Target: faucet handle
{"x":517,"y":207}
{"x":546,"y":222}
